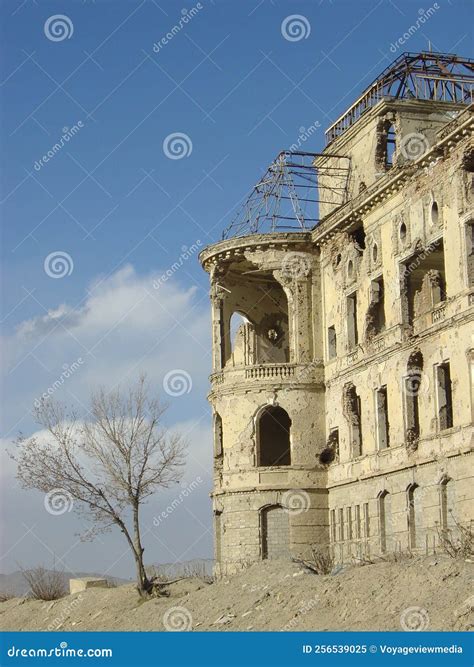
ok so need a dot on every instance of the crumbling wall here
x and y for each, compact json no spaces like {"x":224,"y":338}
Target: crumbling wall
{"x":422,"y":254}
{"x":413,"y":233}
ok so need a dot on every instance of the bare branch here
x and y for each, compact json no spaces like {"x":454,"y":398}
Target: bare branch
{"x":110,"y":464}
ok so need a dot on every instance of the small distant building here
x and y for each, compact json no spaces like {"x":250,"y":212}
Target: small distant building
{"x":342,"y":316}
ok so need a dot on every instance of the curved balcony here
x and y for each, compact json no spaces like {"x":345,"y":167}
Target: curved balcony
{"x":285,"y":375}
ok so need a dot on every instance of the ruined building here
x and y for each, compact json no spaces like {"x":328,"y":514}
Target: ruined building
{"x":343,"y":349}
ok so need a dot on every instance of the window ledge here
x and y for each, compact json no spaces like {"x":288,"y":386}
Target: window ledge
{"x":386,"y":450}
{"x":446,"y":431}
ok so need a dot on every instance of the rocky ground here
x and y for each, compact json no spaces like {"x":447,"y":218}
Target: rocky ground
{"x":432,"y":593}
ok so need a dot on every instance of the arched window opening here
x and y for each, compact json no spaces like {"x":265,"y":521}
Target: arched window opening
{"x":385,"y":519}
{"x":273,"y":437}
{"x":390,"y":146}
{"x":434,"y":213}
{"x":255,"y":325}
{"x":275,"y":529}
{"x":448,"y":504}
{"x":350,"y":269}
{"x":415,"y":521}
{"x":240,"y":340}
{"x":403,"y":232}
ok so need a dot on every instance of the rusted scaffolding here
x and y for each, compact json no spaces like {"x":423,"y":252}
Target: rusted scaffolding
{"x":290,"y":193}
{"x":441,"y":77}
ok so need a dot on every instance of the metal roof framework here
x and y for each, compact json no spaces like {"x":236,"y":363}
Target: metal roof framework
{"x":440,"y":77}
{"x":288,"y":196}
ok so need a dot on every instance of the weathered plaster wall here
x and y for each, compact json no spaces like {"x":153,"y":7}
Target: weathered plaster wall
{"x":409,"y":227}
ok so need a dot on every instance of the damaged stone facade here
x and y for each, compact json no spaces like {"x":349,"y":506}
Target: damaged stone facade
{"x":343,"y":357}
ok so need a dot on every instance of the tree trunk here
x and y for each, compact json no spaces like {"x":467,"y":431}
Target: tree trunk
{"x":144,"y":585}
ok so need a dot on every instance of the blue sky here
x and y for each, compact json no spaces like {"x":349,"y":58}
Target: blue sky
{"x":121,"y":211}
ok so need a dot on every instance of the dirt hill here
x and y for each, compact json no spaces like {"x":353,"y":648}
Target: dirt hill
{"x":430,"y":593}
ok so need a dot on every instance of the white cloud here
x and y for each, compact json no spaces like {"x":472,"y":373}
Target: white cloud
{"x":122,"y":326}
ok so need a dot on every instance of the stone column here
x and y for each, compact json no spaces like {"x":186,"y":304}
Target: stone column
{"x":298,"y":290}
{"x":217,"y":314}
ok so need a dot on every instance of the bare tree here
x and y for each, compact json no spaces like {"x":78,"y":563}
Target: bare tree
{"x":107,"y":464}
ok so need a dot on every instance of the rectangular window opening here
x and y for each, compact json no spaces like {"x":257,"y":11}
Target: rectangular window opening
{"x":425,"y":277}
{"x":333,"y":442}
{"x":383,"y":432}
{"x":366,"y":520}
{"x":390,"y":146}
{"x":376,"y":311}
{"x":358,"y":533}
{"x":412,"y":413}
{"x":349,"y":523}
{"x":352,"y":333}
{"x":341,"y":525}
{"x":332,"y":343}
{"x":333,"y":526}
{"x":470,"y":253}
{"x":445,"y":396}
